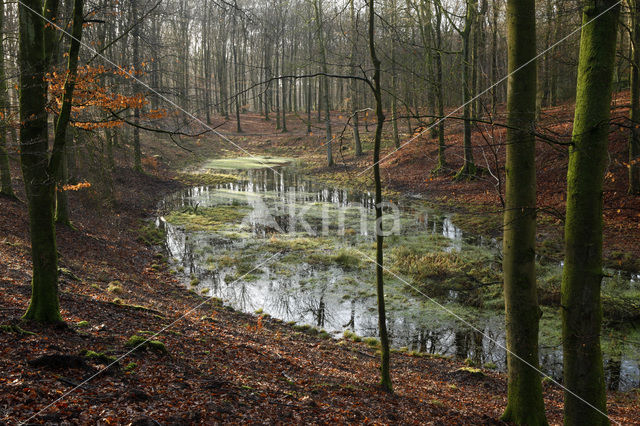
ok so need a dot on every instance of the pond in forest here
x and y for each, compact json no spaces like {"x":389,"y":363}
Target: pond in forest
{"x":273,"y":241}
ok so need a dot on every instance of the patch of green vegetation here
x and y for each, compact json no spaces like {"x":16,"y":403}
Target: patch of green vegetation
{"x":302,"y":327}
{"x":114,"y":287}
{"x":350,"y":335}
{"x":436,"y":403}
{"x":131,"y":366}
{"x":371,"y":341}
{"x":215,"y":218}
{"x":348,"y":259}
{"x":247,"y":163}
{"x":138,"y":342}
{"x":12,"y":328}
{"x":151,"y":235}
{"x":99,"y":357}
{"x":490,"y":366}
{"x":82,"y":324}
{"x":206,"y":179}
{"x":475,"y":372}
{"x":324,"y":335}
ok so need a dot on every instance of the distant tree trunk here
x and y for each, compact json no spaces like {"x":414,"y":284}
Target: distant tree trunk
{"x":468,"y":169}
{"x":278,"y":82}
{"x":394,"y":80}
{"x":309,"y":86}
{"x":267,"y":77}
{"x":59,"y":154}
{"x":354,"y":83}
{"x":442,"y":159}
{"x":582,"y":272}
{"x":284,"y":89}
{"x":324,"y":79}
{"x":34,"y":147}
{"x":5,"y":173}
{"x":525,"y":404}
{"x":494,"y":56}
{"x":206,"y":60}
{"x":385,"y":380}
{"x":137,"y":152}
{"x":634,"y":137}
{"x":235,"y":75}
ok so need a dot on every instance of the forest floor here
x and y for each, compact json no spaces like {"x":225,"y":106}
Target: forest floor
{"x":214,"y":364}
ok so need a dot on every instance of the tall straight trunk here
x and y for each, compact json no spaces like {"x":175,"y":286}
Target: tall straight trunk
{"x":58,"y":163}
{"x":494,"y":57}
{"x":324,"y":79}
{"x":525,"y":404}
{"x":309,"y":87}
{"x":34,"y":146}
{"x":235,"y":75}
{"x":278,"y":82}
{"x":354,"y":83}
{"x":5,"y":173}
{"x":267,"y":77}
{"x":634,"y":136}
{"x":385,"y":374}
{"x":582,"y":273}
{"x":394,"y":81}
{"x":137,"y":152}
{"x":284,"y":90}
{"x":319,"y":100}
{"x":442,"y":161}
{"x":206,"y":60}
{"x":469,"y":168}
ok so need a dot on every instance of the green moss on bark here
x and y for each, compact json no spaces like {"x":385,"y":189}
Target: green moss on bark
{"x":582,"y":274}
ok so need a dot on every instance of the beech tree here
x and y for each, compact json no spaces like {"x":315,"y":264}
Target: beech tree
{"x":39,"y":167}
{"x":524,"y":404}
{"x":385,"y":375}
{"x":582,"y":273}
{"x":634,"y":134}
{"x":5,"y":172}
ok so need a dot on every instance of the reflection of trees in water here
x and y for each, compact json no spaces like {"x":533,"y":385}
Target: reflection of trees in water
{"x":352,"y":316}
{"x":613,"y":366}
{"x":285,"y":298}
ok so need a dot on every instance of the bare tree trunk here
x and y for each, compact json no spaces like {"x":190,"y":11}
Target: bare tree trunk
{"x":324,"y":79}
{"x":634,"y":136}
{"x":468,"y":169}
{"x":354,"y":83}
{"x":385,"y":375}
{"x":5,"y":173}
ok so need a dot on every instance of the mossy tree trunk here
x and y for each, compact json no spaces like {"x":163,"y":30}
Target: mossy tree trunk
{"x":525,"y":404}
{"x":385,"y":374}
{"x":582,"y":274}
{"x":5,"y":172}
{"x":38,"y":167}
{"x":34,"y":156}
{"x":634,"y":137}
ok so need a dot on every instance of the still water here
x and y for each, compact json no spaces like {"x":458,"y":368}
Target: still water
{"x":240,"y":265}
